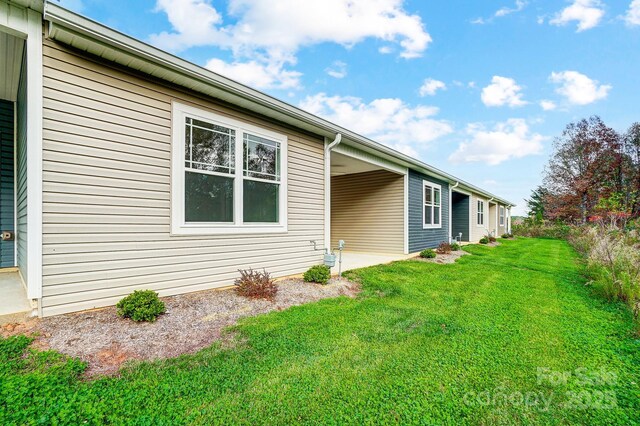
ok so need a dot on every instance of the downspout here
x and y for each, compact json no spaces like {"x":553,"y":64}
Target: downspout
{"x":489,"y":217}
{"x":327,"y":189}
{"x":451,"y":188}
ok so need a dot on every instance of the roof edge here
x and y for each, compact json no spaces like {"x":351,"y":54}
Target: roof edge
{"x":80,"y":26}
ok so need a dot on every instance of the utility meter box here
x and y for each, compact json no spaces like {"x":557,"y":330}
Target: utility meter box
{"x":330,"y":260}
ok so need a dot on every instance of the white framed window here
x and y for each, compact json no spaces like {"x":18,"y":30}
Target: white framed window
{"x":501,"y":215}
{"x":227,"y":176}
{"x":431,"y":205}
{"x":480,"y":218}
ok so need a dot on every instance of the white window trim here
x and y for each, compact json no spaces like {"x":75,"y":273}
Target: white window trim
{"x":480,"y":225}
{"x":433,"y":186}
{"x":501,"y":214}
{"x":178,"y":224}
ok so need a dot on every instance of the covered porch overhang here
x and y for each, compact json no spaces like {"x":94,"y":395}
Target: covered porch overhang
{"x":461,"y":215}
{"x":367,"y":208}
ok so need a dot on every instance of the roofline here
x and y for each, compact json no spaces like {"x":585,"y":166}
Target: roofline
{"x":69,"y":25}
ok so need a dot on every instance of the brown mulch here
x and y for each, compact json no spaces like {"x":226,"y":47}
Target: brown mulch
{"x":444,"y":258}
{"x":192,"y":322}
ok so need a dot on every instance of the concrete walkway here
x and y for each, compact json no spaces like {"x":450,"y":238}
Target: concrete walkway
{"x":14,"y":305}
{"x":354,"y":260}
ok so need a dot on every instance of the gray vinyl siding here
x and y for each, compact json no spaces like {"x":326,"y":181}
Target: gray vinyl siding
{"x":367,"y":211}
{"x":420,"y":238}
{"x":106,"y":192}
{"x":7,"y":185}
{"x":460,"y":216}
{"x":21,"y":173}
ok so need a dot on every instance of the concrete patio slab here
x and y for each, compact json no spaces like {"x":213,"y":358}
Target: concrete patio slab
{"x":354,"y":260}
{"x":14,"y":304}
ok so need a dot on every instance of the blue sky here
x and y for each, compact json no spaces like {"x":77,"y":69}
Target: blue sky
{"x":476,"y":88}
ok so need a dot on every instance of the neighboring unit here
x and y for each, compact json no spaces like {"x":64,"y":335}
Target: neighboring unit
{"x":126,"y":168}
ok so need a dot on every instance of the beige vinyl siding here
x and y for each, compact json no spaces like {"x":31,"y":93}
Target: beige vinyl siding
{"x":21,"y":173}
{"x":479,"y":231}
{"x":492,"y":225}
{"x":106,"y":200}
{"x":502,"y":228}
{"x":367,"y":211}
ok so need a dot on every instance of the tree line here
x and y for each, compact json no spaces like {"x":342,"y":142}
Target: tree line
{"x":593,"y":172}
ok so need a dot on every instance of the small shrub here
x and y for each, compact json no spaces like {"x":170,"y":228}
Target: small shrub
{"x":455,"y":247}
{"x":444,"y":248}
{"x":484,"y":240}
{"x":428,"y":254}
{"x":141,"y":305}
{"x":320,"y":274}
{"x":256,"y":285}
{"x":506,"y":235}
{"x":491,"y":238}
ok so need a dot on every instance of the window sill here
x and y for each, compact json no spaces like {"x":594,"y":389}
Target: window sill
{"x":199,"y":230}
{"x":431,"y":226}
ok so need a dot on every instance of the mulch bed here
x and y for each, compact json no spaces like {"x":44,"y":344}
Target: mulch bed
{"x":192,"y":322}
{"x":444,"y":258}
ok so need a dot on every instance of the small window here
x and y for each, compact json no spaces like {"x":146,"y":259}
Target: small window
{"x":228,"y":176}
{"x":432,"y":205}
{"x":501,"y":216}
{"x":480,"y":212}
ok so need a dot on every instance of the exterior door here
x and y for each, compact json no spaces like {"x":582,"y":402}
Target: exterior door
{"x":7,"y":185}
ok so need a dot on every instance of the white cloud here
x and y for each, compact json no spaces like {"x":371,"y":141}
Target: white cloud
{"x":431,"y":86}
{"x":547,"y":105}
{"x":281,"y":27}
{"x":274,"y":31}
{"x":337,"y":70}
{"x":258,"y":74}
{"x":389,"y":121}
{"x":502,"y":12}
{"x":588,"y":14}
{"x":508,"y":140}
{"x":502,"y":91}
{"x":520,"y":4}
{"x":633,"y":14}
{"x":578,"y":88}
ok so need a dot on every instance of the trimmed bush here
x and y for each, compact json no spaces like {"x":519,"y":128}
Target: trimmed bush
{"x":455,"y":246}
{"x":507,"y":235}
{"x":141,"y":305}
{"x":320,"y":274}
{"x":484,"y":240}
{"x":428,"y":254}
{"x":444,"y":248}
{"x":256,"y":284}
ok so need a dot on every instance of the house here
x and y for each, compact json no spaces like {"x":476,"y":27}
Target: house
{"x":125,"y":168}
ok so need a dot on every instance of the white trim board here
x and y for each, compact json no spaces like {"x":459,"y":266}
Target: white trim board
{"x":27,"y":24}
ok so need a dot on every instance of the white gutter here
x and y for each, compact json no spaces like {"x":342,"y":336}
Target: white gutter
{"x":451,"y":188}
{"x":333,"y":144}
{"x":327,"y":188}
{"x":90,"y":36}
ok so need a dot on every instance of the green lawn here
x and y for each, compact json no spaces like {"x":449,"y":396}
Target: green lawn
{"x":509,"y":335}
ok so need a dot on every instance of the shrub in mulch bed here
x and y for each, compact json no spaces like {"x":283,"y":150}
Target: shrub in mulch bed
{"x":320,"y":274}
{"x":428,"y":254}
{"x":256,"y":285}
{"x":444,"y":248}
{"x":141,"y":305}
